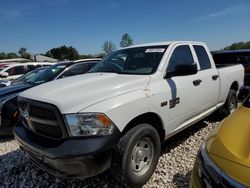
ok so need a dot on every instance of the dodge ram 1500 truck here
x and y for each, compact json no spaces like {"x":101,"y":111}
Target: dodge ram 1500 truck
{"x":119,"y":114}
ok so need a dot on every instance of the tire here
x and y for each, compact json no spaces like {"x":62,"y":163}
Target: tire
{"x":231,"y":103}
{"x":137,"y":155}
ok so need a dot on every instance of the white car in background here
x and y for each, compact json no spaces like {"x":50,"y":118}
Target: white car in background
{"x":4,"y":83}
{"x":13,"y":71}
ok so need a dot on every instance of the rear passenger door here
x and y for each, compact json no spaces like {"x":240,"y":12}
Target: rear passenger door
{"x":208,"y":74}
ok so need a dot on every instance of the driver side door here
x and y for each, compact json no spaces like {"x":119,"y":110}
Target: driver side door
{"x":183,"y":90}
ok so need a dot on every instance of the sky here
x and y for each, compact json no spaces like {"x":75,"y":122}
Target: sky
{"x":85,"y":25}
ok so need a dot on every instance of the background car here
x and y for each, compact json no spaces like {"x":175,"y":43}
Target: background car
{"x":228,"y":57}
{"x":8,"y":95}
{"x":4,"y":83}
{"x":13,"y":71}
{"x":28,"y":75}
{"x":223,"y":160}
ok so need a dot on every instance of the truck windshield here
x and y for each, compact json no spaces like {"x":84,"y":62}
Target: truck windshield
{"x":47,"y":75}
{"x":139,"y":60}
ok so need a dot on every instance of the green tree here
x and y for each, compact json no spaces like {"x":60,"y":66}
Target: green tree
{"x":238,"y":45}
{"x":63,"y":53}
{"x":3,"y":55}
{"x":247,"y":45}
{"x":108,"y":47}
{"x":23,"y":53}
{"x":11,"y":55}
{"x":126,"y":40}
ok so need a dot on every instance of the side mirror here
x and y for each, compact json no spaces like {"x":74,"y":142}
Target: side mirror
{"x":183,"y":70}
{"x":243,"y":93}
{"x":4,"y":75}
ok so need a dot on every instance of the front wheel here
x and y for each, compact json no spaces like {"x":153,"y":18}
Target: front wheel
{"x":138,"y":155}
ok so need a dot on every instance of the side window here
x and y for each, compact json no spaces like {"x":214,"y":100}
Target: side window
{"x":11,"y":71}
{"x":202,"y":57}
{"x":181,"y":55}
{"x":16,"y":70}
{"x":31,"y":67}
{"x":19,"y":70}
{"x":77,"y":69}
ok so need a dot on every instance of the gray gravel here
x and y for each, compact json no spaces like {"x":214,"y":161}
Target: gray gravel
{"x":173,"y":170}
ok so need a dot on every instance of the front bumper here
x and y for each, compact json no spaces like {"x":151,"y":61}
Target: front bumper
{"x":69,"y":158}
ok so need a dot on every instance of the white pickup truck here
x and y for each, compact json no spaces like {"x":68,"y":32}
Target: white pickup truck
{"x":119,"y":114}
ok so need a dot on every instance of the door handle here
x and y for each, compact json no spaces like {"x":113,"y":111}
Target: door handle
{"x":197,"y":82}
{"x":215,"y":77}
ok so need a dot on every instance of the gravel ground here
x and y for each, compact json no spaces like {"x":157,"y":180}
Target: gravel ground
{"x":173,"y":170}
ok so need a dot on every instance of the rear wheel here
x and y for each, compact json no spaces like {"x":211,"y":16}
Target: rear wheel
{"x":138,"y":154}
{"x":230,"y":104}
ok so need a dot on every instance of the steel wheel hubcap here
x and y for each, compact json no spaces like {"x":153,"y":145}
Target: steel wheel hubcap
{"x":232,"y":105}
{"x":142,"y":156}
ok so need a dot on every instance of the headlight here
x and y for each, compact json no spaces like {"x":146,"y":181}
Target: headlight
{"x":89,"y":124}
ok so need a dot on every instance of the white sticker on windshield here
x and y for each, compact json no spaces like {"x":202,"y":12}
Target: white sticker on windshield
{"x":154,"y":50}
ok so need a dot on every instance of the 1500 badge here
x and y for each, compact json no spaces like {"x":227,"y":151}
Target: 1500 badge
{"x":172,"y":102}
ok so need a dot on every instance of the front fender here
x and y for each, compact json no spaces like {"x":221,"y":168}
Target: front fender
{"x":122,"y":109}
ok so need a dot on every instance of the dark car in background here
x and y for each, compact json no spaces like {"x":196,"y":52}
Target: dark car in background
{"x":235,"y":57}
{"x":23,"y":78}
{"x":9,"y":113}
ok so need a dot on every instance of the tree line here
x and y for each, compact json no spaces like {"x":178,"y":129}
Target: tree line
{"x":238,"y":46}
{"x":71,"y":53}
{"x":22,"y":53}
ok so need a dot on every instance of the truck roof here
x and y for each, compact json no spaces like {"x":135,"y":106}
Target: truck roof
{"x":165,"y":43}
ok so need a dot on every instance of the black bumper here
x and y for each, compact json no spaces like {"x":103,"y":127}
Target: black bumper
{"x":69,"y":158}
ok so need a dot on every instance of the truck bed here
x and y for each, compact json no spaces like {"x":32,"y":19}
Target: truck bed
{"x":219,"y":66}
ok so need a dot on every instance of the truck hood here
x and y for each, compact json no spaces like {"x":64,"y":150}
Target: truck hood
{"x":73,"y":94}
{"x":231,"y":140}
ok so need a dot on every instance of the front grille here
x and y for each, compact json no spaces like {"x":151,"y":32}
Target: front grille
{"x":42,"y":113}
{"x":48,"y":130}
{"x":41,"y":118}
{"x":21,"y":105}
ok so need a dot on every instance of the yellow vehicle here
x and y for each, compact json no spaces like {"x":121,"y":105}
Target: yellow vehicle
{"x":224,"y":158}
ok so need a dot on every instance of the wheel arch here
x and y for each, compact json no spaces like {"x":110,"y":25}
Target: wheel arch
{"x":150,"y":118}
{"x":235,"y":86}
